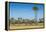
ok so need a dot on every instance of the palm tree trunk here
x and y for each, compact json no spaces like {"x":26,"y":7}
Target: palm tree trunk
{"x":36,"y":17}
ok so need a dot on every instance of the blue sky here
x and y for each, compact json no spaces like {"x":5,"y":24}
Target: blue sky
{"x":25,"y":11}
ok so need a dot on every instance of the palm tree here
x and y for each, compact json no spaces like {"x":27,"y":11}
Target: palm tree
{"x":35,"y":12}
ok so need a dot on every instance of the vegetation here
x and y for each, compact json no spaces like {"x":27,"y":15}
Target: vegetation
{"x":35,"y":12}
{"x":25,"y":21}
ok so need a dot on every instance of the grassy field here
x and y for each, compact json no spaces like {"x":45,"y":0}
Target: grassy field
{"x":22,"y":26}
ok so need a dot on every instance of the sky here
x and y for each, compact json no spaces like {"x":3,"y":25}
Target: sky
{"x":25,"y":11}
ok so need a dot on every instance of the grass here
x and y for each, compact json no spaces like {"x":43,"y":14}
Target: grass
{"x":22,"y":26}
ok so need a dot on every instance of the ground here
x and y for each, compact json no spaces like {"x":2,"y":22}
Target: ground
{"x":22,"y":26}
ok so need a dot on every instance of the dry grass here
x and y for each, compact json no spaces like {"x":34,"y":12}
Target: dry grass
{"x":22,"y":26}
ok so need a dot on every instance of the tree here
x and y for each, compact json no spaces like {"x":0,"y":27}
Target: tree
{"x":35,"y":12}
{"x":12,"y":20}
{"x":41,"y":20}
{"x":20,"y":20}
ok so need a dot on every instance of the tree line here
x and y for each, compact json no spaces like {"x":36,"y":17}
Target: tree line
{"x":24,"y":21}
